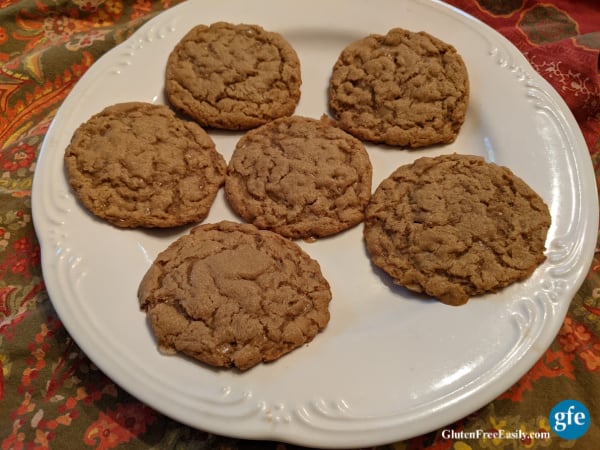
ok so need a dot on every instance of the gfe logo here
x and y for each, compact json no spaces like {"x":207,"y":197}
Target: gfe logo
{"x":569,"y":419}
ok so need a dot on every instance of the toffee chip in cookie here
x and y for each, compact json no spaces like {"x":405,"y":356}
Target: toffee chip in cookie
{"x":404,"y":88}
{"x":300,"y":177}
{"x":233,"y":76}
{"x":456,"y":226}
{"x":231,"y":295}
{"x":137,"y":164}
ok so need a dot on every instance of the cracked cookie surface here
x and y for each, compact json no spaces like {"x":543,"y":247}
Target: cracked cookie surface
{"x":404,"y":89}
{"x":456,"y":226}
{"x":233,"y":76}
{"x":138,"y":165}
{"x":300,"y":177}
{"x":229,"y":294}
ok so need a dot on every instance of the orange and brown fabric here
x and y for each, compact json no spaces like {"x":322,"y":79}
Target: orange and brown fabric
{"x":52,"y":395}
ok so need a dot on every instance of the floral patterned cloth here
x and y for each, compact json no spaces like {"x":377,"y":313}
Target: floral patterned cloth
{"x":52,"y":395}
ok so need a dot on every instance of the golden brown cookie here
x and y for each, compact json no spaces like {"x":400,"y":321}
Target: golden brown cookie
{"x":456,"y":226}
{"x":403,"y":89}
{"x":229,"y":294}
{"x":233,"y":76}
{"x":138,"y":165}
{"x":299,"y":177}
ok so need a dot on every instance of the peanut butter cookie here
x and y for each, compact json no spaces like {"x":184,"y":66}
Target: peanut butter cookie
{"x":404,"y":89}
{"x":299,"y":177}
{"x":456,"y":226}
{"x":231,"y":295}
{"x":138,"y":165}
{"x":232,"y":76}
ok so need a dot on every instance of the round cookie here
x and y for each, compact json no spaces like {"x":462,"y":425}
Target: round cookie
{"x":403,"y":89}
{"x":456,"y":226}
{"x":229,"y":294}
{"x":233,"y":77}
{"x":138,"y":165}
{"x":299,"y":177}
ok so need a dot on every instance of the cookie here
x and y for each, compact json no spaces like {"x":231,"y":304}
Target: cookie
{"x":231,"y":295}
{"x":456,"y":226}
{"x":138,"y":165}
{"x":403,"y":89}
{"x":299,"y":177}
{"x":233,"y":76}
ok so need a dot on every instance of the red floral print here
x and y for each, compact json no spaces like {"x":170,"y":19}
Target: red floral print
{"x":118,"y":426}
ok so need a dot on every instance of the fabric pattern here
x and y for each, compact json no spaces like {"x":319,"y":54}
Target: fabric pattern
{"x":52,"y":395}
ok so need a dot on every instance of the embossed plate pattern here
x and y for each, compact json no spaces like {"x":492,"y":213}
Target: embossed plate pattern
{"x":390,"y":365}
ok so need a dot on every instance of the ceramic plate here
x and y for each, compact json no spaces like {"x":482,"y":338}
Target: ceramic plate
{"x":390,"y":365}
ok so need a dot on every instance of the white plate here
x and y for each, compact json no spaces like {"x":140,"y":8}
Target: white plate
{"x":389,"y":365}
